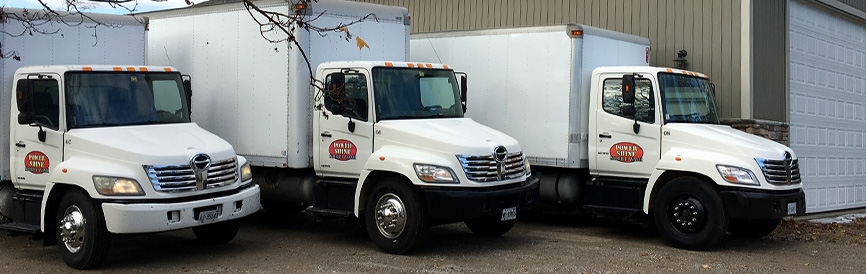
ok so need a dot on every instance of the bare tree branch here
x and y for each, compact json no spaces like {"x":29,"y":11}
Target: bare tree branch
{"x":287,"y":24}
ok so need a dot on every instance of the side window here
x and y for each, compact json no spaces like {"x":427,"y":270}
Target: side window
{"x":351,"y":102}
{"x":46,"y":107}
{"x":644,"y":106}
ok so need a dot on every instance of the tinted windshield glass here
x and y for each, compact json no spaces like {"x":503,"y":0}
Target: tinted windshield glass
{"x":99,"y":99}
{"x":687,"y":99}
{"x":416,"y":93}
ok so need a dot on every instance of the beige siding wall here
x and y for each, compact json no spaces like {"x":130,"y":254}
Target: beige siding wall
{"x":708,"y":29}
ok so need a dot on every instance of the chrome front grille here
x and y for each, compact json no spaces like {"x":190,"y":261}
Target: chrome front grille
{"x":780,"y":172}
{"x":485,"y":168}
{"x":181,"y":178}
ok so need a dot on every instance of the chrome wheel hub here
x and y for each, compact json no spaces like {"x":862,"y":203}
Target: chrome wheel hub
{"x":72,"y":229}
{"x":390,"y":216}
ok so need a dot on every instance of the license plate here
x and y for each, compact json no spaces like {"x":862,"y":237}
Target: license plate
{"x":792,"y":208}
{"x":209,"y":216}
{"x":509,"y":214}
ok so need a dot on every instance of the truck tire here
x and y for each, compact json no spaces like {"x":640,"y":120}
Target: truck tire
{"x":689,"y":214}
{"x":82,"y":238}
{"x":217,"y":233}
{"x":491,"y":227}
{"x":396,"y":217}
{"x":753,"y":228}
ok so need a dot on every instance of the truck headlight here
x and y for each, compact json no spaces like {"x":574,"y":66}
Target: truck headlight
{"x":246,"y":172}
{"x":737,"y":175}
{"x":106,"y":185}
{"x":435,"y":174}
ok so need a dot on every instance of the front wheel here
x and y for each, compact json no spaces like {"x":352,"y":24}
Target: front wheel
{"x":690,"y":214}
{"x":396,"y":217}
{"x":753,"y":228}
{"x":82,"y":238}
{"x":217,"y":233}
{"x":490,"y":227}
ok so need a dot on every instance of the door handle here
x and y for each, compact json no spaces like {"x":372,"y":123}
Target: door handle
{"x":604,"y":135}
{"x":20,"y":144}
{"x":326,"y":134}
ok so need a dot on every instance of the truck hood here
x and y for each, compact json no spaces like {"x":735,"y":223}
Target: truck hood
{"x":453,"y":136}
{"x":724,"y":139}
{"x":167,"y":144}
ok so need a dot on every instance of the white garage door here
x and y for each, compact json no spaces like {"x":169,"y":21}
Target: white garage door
{"x":828,"y":106}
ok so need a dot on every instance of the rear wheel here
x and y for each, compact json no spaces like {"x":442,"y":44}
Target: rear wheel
{"x":396,"y":217}
{"x":82,"y":238}
{"x":689,"y":214}
{"x":490,"y":227}
{"x":753,"y":228}
{"x":217,"y":233}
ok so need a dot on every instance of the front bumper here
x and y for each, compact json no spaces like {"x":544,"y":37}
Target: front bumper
{"x":757,"y":204}
{"x":453,"y":204}
{"x":156,"y":217}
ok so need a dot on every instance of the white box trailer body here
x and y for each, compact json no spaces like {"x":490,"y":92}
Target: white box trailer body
{"x":119,"y":41}
{"x":607,"y":133}
{"x":540,"y":77}
{"x":226,"y":52}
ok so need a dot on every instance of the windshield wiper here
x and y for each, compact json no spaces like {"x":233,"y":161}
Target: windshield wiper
{"x":148,"y":122}
{"x":398,"y":117}
{"x":97,"y":125}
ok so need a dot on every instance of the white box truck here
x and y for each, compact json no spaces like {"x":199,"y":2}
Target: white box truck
{"x":388,"y":144}
{"x":92,"y":150}
{"x":609,"y":134}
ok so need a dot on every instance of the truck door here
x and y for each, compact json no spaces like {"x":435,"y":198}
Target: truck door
{"x":34,"y":159}
{"x":621,"y":151}
{"x":345,"y":129}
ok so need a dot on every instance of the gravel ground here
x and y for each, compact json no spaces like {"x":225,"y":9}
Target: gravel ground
{"x":537,"y":244}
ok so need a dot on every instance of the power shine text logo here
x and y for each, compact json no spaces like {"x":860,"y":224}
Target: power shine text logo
{"x":342,"y":150}
{"x":626,"y":152}
{"x":36,"y":162}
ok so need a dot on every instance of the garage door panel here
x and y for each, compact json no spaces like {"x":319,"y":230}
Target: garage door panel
{"x":827,"y":69}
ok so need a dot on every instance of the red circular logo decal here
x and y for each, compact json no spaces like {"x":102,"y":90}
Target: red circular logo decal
{"x":626,"y":152}
{"x":36,"y":162}
{"x":342,"y":150}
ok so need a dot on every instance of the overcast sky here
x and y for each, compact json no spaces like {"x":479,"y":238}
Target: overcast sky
{"x":143,"y":5}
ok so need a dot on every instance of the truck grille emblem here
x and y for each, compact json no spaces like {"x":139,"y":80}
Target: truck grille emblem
{"x":499,"y":154}
{"x":200,"y":163}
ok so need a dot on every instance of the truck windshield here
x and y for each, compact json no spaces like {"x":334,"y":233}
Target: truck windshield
{"x":404,"y":93}
{"x":104,"y":99}
{"x":687,"y":99}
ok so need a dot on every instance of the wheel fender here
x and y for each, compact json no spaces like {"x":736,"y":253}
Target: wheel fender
{"x":78,"y":172}
{"x":699,"y":162}
{"x":398,"y":160}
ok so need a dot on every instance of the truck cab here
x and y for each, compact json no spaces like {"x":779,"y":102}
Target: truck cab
{"x":100,"y":150}
{"x":656,"y":144}
{"x":397,"y":133}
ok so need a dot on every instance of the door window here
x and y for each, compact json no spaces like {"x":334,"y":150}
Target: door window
{"x":643,"y":103}
{"x":350,"y":102}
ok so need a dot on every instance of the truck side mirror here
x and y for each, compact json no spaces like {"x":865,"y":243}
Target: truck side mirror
{"x":628,"y":89}
{"x":187,"y":88}
{"x":463,"y":90}
{"x":24,"y":100}
{"x":713,"y":89}
{"x":335,"y":91}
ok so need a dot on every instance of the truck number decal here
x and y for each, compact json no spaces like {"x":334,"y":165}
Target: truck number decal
{"x":36,"y":162}
{"x":342,"y":150}
{"x":626,"y":152}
